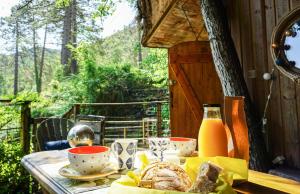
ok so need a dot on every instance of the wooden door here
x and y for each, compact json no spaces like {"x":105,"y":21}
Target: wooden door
{"x":193,"y":81}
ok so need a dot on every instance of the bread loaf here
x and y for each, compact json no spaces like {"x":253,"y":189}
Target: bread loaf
{"x":206,"y":179}
{"x":165,"y":176}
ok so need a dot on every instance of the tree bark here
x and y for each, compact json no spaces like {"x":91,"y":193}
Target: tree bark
{"x":231,"y":76}
{"x":16,"y":71}
{"x":69,"y":38}
{"x":42,"y":63}
{"x":140,"y":55}
{"x":66,"y":39}
{"x":35,"y":63}
{"x":74,"y":68}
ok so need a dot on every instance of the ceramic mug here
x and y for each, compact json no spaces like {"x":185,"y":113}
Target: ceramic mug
{"x":88,"y":159}
{"x":184,"y":146}
{"x":124,"y":150}
{"x":158,"y":146}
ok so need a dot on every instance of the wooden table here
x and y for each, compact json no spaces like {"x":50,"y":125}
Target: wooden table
{"x":43,"y":166}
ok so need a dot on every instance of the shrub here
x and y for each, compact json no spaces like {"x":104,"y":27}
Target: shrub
{"x":11,"y":175}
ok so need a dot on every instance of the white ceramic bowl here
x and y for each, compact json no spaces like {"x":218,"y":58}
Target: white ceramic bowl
{"x":184,"y":146}
{"x":88,"y":159}
{"x":158,"y":146}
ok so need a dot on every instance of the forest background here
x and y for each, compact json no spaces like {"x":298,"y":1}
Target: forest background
{"x":85,"y":67}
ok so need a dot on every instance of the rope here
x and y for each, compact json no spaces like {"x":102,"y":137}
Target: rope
{"x":264,"y":119}
{"x":197,"y":35}
{"x":268,"y":99}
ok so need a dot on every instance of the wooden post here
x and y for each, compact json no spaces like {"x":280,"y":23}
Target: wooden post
{"x":33,"y":137}
{"x":25,"y":138}
{"x":143,"y":128}
{"x":158,"y":119}
{"x":102,"y":136}
{"x":25,"y":127}
{"x":76,"y":110}
{"x":125,"y":132}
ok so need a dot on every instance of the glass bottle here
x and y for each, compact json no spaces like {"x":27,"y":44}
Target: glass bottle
{"x":212,"y":140}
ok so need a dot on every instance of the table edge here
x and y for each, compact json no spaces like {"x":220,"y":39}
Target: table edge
{"x":44,"y":180}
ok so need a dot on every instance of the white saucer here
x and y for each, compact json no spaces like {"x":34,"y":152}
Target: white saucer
{"x":68,"y":172}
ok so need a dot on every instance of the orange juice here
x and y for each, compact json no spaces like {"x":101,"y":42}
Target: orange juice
{"x":212,"y":139}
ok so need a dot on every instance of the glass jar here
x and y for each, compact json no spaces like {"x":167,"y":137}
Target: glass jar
{"x":212,"y":140}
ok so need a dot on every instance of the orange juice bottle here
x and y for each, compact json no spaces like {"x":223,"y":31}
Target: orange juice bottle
{"x":212,"y":140}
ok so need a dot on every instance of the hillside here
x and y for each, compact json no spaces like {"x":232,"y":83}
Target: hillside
{"x":118,"y":49}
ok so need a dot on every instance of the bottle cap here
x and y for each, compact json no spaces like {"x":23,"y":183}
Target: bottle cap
{"x":211,"y":105}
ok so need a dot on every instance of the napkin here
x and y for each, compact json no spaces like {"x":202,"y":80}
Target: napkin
{"x":233,"y":169}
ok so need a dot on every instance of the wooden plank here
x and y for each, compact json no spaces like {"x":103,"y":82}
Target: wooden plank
{"x":296,"y":138}
{"x":158,"y":120}
{"x":288,"y":102}
{"x":118,"y":104}
{"x":290,"y":121}
{"x":275,"y":132}
{"x":259,"y":53}
{"x":246,"y":47}
{"x":252,"y":188}
{"x":294,"y":130}
{"x":181,"y":22}
{"x":161,"y":19}
{"x":188,"y":91}
{"x":235,"y":26}
{"x":192,"y":58}
{"x":257,"y":20}
{"x":182,"y":120}
{"x":274,"y":182}
{"x":203,"y":80}
{"x":159,"y":8}
{"x":294,"y":3}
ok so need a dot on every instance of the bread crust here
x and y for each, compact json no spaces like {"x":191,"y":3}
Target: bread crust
{"x":165,"y":176}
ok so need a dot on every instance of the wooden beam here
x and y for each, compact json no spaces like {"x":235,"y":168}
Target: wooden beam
{"x":188,"y":91}
{"x":117,"y":104}
{"x":161,"y":20}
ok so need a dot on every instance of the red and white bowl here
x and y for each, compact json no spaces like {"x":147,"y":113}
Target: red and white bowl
{"x":184,"y":146}
{"x":88,"y":159}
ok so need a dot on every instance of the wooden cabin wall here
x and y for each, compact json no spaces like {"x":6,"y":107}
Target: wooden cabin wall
{"x":251,"y":23}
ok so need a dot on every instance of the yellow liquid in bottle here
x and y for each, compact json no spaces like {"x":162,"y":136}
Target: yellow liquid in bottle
{"x":212,"y":139}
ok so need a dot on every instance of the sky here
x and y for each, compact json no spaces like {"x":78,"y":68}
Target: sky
{"x":123,"y":16}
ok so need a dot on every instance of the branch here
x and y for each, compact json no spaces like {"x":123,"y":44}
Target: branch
{"x":25,"y":5}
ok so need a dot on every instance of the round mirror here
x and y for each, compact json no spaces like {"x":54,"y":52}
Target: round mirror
{"x":285,"y":48}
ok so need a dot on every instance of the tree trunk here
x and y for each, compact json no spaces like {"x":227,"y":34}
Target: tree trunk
{"x":231,"y":76}
{"x":69,"y":38}
{"x":42,"y":63}
{"x":140,"y":55}
{"x":35,"y":64}
{"x":74,"y":68}
{"x":16,"y":71}
{"x":66,"y":39}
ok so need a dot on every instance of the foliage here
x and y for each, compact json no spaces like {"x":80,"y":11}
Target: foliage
{"x":11,"y":178}
{"x":155,"y":65}
{"x":96,"y":82}
{"x":109,"y":70}
{"x":121,"y":47}
{"x":9,"y":118}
